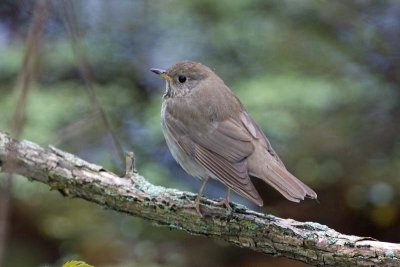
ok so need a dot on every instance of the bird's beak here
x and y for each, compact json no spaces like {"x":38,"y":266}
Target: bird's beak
{"x":162,"y":73}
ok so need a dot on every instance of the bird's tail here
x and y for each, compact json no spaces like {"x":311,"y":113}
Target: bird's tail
{"x":287,"y":184}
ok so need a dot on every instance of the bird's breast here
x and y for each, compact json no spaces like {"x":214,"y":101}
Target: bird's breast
{"x":186,"y":161}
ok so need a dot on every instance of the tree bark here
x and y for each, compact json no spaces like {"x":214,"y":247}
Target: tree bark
{"x":309,"y":242}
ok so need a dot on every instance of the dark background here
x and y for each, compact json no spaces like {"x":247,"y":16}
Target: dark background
{"x":321,"y":78}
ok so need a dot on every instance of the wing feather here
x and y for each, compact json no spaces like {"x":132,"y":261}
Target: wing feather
{"x":256,"y":132}
{"x":222,"y":149}
{"x":235,"y":176}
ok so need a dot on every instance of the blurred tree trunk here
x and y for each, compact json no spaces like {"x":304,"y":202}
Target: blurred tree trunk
{"x":40,"y":13}
{"x":5,"y":187}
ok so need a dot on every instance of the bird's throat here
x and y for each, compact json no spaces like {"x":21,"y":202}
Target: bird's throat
{"x":167,"y":93}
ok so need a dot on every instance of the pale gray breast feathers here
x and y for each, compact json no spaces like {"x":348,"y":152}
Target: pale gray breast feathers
{"x":171,"y":137}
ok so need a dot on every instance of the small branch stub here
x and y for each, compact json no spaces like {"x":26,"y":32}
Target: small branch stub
{"x":130,"y":169}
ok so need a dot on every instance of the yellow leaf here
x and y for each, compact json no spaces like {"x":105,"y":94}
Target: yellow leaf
{"x":76,"y":264}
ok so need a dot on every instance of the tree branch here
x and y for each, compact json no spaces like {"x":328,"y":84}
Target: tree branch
{"x":309,"y":242}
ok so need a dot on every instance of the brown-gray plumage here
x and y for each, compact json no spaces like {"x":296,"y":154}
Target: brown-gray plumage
{"x":211,"y":135}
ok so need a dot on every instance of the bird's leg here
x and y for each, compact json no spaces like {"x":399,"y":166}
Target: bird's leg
{"x":197,"y":201}
{"x":225,"y":200}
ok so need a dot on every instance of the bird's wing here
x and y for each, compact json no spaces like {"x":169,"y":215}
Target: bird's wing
{"x":256,"y":132}
{"x":221,"y":148}
{"x":274,"y":171}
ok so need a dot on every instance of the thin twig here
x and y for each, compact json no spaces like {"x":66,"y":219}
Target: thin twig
{"x":69,"y":18}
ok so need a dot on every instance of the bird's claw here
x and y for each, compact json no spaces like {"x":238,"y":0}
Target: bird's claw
{"x":224,"y":202}
{"x":196,"y":206}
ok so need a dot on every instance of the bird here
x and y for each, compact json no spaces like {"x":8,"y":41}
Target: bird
{"x":211,"y":135}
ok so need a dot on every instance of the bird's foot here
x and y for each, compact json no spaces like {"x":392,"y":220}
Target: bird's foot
{"x":225,"y":202}
{"x":195,"y":205}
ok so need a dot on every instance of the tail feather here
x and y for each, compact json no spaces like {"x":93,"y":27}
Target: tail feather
{"x":286,"y":183}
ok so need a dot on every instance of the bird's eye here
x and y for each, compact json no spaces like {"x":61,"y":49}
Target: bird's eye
{"x":182,"y":78}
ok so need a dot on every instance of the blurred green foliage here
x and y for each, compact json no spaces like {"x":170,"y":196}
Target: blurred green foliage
{"x":320,"y":77}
